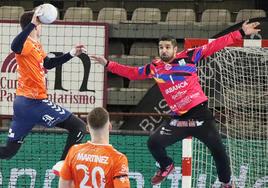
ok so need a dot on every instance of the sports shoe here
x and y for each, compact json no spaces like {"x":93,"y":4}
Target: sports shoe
{"x":57,"y":167}
{"x":161,"y":175}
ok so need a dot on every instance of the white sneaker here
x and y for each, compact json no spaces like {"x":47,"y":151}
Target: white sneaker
{"x":57,"y":167}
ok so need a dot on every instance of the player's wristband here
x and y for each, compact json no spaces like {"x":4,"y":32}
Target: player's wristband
{"x":72,"y":52}
{"x":107,"y":63}
{"x":242,"y":32}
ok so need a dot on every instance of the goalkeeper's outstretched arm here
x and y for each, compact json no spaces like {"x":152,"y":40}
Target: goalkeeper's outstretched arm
{"x":223,"y":41}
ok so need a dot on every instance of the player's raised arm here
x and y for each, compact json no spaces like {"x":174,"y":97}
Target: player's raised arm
{"x":99,"y":59}
{"x":50,"y":63}
{"x":250,"y":28}
{"x":226,"y":40}
{"x":130,"y":72}
{"x":27,"y":28}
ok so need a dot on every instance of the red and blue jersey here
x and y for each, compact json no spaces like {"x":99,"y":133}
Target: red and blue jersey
{"x":178,"y":80}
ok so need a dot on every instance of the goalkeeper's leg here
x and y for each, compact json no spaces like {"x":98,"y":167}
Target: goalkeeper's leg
{"x":210,"y":136}
{"x":164,"y":136}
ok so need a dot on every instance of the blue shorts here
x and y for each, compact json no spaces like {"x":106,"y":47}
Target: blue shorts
{"x":30,"y":112}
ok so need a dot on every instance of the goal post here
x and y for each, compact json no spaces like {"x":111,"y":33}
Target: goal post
{"x":236,"y":81}
{"x":186,"y":164}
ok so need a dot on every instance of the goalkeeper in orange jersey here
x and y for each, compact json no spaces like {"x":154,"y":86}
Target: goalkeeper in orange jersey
{"x":31,"y":106}
{"x":95,"y":163}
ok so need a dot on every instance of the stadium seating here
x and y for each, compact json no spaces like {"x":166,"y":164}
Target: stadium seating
{"x":132,"y":95}
{"x":140,"y":54}
{"x":216,"y":16}
{"x":11,"y":12}
{"x":118,"y":95}
{"x":80,"y":14}
{"x":144,"y":49}
{"x":146,"y":15}
{"x":115,"y":82}
{"x":132,"y":60}
{"x":137,"y":89}
{"x":112,"y":15}
{"x":141,"y":84}
{"x":180,"y":16}
{"x":245,"y":14}
{"x":116,"y":48}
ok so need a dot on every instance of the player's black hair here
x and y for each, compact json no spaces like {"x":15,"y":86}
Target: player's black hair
{"x":26,"y":18}
{"x":169,"y":38}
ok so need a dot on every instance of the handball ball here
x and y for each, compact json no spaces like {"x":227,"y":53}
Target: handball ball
{"x":47,"y":13}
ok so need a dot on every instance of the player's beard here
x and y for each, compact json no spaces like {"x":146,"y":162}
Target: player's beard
{"x":166,"y":58}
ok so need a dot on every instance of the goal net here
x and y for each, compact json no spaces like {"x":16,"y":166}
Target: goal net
{"x":236,"y":81}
